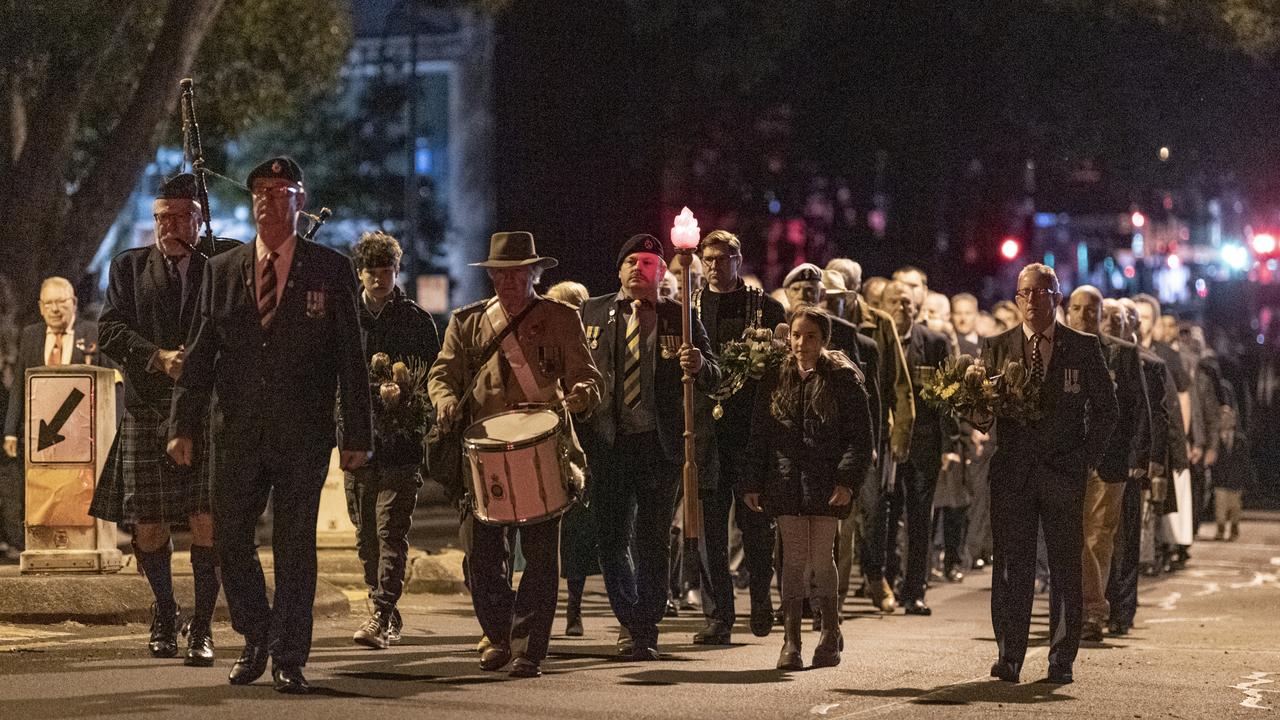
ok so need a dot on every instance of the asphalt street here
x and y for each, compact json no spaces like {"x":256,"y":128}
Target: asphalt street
{"x":1206,"y":645}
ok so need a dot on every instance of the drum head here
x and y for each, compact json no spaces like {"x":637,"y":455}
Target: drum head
{"x":512,"y":427}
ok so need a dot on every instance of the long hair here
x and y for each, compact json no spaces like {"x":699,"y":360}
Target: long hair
{"x":785,"y":401}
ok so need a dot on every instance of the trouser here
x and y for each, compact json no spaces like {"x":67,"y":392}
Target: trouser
{"x":684,"y":569}
{"x":917,"y":481}
{"x":1122,"y":587}
{"x":1101,"y":516}
{"x":808,"y":565}
{"x":950,"y":521}
{"x":1227,"y":505}
{"x":12,"y":496}
{"x":633,"y":496}
{"x":380,"y":501}
{"x":1199,"y":496}
{"x":977,"y":540}
{"x":879,"y":554}
{"x":1150,"y":528}
{"x":757,"y":543}
{"x":1023,"y":499}
{"x":527,"y":612}
{"x":245,"y":478}
{"x":851,"y":543}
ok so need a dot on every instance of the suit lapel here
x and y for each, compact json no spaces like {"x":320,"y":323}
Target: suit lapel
{"x":1053,"y":375}
{"x":289,"y":304}
{"x":248,"y":263}
{"x":157,"y":275}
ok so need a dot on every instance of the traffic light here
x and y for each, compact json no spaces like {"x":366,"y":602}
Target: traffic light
{"x":1264,"y":244}
{"x":1010,"y":248}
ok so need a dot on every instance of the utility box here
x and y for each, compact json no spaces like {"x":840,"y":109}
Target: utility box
{"x":69,"y":425}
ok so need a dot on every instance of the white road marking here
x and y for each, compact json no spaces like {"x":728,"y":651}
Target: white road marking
{"x":13,"y":633}
{"x":1275,"y":561}
{"x":76,"y":641}
{"x":823,"y":709}
{"x":1253,"y":697}
{"x":1170,"y":602}
{"x":1215,"y":618}
{"x":1259,"y":579}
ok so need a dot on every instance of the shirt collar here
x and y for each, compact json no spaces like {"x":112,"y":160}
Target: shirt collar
{"x":260,"y":250}
{"x":1027,"y":332}
{"x":70,"y":329}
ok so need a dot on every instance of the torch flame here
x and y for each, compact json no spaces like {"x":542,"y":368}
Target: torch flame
{"x":685,"y":233}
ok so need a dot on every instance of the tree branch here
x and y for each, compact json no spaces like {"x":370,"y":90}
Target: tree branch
{"x":133,"y":141}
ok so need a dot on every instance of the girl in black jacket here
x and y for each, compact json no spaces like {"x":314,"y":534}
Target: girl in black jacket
{"x":811,"y":444}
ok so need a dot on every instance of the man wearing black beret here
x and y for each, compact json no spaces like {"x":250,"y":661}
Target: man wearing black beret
{"x":634,"y":440}
{"x":151,"y":299}
{"x":276,"y":340}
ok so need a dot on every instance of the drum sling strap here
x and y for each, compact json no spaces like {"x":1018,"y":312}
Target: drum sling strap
{"x":497,"y":318}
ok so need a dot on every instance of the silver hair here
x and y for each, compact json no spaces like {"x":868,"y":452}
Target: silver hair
{"x":1042,"y":270}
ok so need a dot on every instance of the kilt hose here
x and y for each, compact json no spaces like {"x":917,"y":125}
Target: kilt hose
{"x":140,"y":484}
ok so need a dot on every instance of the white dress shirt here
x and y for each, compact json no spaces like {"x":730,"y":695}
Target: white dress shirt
{"x":284,"y":259}
{"x":68,"y":343}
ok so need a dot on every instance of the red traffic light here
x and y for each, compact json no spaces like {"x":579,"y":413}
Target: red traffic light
{"x":1010,"y":248}
{"x":1264,"y":243}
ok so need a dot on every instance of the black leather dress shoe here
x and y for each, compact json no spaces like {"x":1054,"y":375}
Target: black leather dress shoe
{"x":917,"y":607}
{"x":1006,"y":671}
{"x":715,"y":633}
{"x":953,"y":574}
{"x":250,"y":665}
{"x":1118,"y":629}
{"x":626,"y":646}
{"x":1059,"y":676}
{"x":199,"y":646}
{"x":164,"y":632}
{"x":495,"y":658}
{"x":645,"y":653}
{"x":289,"y":680}
{"x":523,"y":667}
{"x":761,"y":619}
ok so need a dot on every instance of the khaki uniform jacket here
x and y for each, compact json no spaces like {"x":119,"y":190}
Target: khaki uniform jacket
{"x":553,"y":343}
{"x":900,"y":409}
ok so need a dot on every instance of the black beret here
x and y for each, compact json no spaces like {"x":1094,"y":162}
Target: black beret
{"x":179,"y":187}
{"x":283,"y":168}
{"x":641,"y":243}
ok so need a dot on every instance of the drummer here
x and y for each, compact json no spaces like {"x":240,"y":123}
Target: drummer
{"x":543,"y":361}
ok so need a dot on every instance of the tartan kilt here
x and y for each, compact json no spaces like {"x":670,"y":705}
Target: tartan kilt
{"x":139,"y":483}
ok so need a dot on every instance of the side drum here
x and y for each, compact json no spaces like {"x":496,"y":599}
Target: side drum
{"x":516,"y":472}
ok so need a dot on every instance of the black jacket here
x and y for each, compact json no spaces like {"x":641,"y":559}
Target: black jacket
{"x":934,"y":430}
{"x":143,"y":314}
{"x":605,"y":327}
{"x":725,"y":316}
{"x":404,"y":331}
{"x":1235,"y":469}
{"x":285,"y":378}
{"x":806,"y":441}
{"x":1126,"y":375}
{"x":1077,"y":401}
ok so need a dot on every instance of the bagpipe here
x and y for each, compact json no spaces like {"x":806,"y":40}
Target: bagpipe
{"x":208,"y":244}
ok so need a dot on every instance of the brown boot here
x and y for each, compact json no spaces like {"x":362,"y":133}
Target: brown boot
{"x":827,"y":654}
{"x":881,"y":595}
{"x":789,"y":658}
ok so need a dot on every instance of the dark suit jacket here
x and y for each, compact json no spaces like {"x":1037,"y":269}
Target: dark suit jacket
{"x":1126,"y":375}
{"x":1071,"y":436}
{"x":143,"y":314}
{"x":31,"y":354}
{"x":1153,"y":425}
{"x":933,"y":430}
{"x":282,"y":377}
{"x":864,"y":353}
{"x":603,"y":319}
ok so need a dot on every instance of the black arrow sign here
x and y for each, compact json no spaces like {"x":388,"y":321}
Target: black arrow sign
{"x":49,"y":435}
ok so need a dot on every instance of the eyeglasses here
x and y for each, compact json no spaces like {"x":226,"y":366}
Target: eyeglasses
{"x":719,"y":259}
{"x":1037,"y":293}
{"x":277,"y":192}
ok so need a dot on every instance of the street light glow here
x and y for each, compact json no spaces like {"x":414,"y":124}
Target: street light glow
{"x":1010,"y":248}
{"x":1138,"y":219}
{"x":1264,"y":243}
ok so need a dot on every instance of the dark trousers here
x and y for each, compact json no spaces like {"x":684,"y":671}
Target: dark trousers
{"x":380,"y":502}
{"x":1122,"y":586}
{"x":757,"y":543}
{"x":916,"y":482}
{"x":245,"y":478}
{"x":12,"y":494}
{"x":633,"y":496}
{"x":875,"y":502}
{"x":951,"y":521}
{"x":1022,"y":500}
{"x":528,"y":611}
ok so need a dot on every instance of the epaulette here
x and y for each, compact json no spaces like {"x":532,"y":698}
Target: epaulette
{"x":477,"y":305}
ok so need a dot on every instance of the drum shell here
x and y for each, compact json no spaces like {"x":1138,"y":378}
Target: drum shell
{"x":521,"y":482}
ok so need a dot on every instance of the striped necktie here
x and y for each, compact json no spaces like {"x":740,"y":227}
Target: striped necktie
{"x":55,"y":353}
{"x":631,"y":369}
{"x":267,"y":290}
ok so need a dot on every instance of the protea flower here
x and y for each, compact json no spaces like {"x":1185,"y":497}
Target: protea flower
{"x":400,"y":375}
{"x":390,"y":393}
{"x":380,"y":365}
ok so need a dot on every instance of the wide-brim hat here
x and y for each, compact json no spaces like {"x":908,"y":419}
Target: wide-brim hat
{"x":514,"y":249}
{"x":833,"y":283}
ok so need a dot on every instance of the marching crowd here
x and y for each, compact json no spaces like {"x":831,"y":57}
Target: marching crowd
{"x":825,"y":461}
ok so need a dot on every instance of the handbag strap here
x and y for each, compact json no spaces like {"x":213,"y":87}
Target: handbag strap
{"x":490,"y":348}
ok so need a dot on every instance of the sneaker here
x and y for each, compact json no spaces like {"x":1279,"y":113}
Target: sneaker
{"x":395,"y":627}
{"x":373,"y":634}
